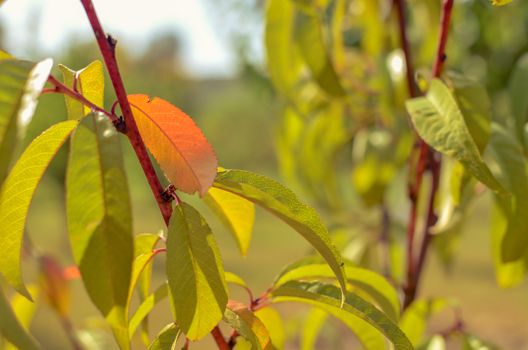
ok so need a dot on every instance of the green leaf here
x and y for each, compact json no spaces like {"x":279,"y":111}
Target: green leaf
{"x":510,"y":157}
{"x":144,"y":245}
{"x":11,"y":329}
{"x":274,"y":324}
{"x":236,"y":213}
{"x":414,"y":320}
{"x":195,"y":273}
{"x":439,"y":121}
{"x":98,"y":205}
{"x":309,"y":36}
{"x":283,"y":203}
{"x":517,"y":87}
{"x":371,"y":283}
{"x":248,"y":326}
{"x":146,"y":306}
{"x":327,"y":297}
{"x":24,"y":311}
{"x":312,"y":325}
{"x":283,"y":62}
{"x":437,"y":342}
{"x":20,"y":88}
{"x":471,"y":342}
{"x":166,"y":338}
{"x":500,"y":2}
{"x":17,"y":193}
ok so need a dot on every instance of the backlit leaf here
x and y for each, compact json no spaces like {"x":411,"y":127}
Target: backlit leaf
{"x":11,"y":329}
{"x":415,"y":318}
{"x":178,"y":145}
{"x":17,"y":193}
{"x":283,"y":203}
{"x":374,"y":285}
{"x":20,"y":87}
{"x":309,"y":36}
{"x":166,"y":338}
{"x":195,"y":273}
{"x":248,"y":325}
{"x":98,"y":204}
{"x":24,"y":311}
{"x":274,"y":324}
{"x":500,"y":2}
{"x":145,"y":307}
{"x":439,"y":121}
{"x":236,"y":213}
{"x":313,"y":322}
{"x":327,"y":296}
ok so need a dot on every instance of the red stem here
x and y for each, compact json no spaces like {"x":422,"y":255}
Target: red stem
{"x":400,"y":11}
{"x":107,"y":48}
{"x":427,"y":155}
{"x":219,"y":339}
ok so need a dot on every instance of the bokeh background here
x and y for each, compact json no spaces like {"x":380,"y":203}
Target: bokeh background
{"x":207,"y":57}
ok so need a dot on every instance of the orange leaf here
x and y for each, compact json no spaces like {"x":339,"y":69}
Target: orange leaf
{"x":178,"y":145}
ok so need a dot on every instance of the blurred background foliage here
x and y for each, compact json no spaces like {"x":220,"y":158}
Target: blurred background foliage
{"x":346,"y":156}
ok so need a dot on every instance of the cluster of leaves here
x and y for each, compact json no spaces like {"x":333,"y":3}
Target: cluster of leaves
{"x":115,"y":265}
{"x":345,"y":138}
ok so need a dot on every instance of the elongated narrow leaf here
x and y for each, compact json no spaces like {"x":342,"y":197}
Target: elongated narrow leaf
{"x":309,"y":36}
{"x":414,"y":320}
{"x":146,"y":306}
{"x":517,"y":87}
{"x":17,"y":193}
{"x":439,"y":121}
{"x":284,"y":204}
{"x":141,"y":274}
{"x":312,"y":325}
{"x":374,"y":285}
{"x":24,"y":311}
{"x":248,"y":326}
{"x":20,"y":88}
{"x":274,"y":324}
{"x":510,"y":156}
{"x":166,"y":338}
{"x":195,"y":272}
{"x":236,"y":213}
{"x":500,"y":2}
{"x":98,"y":208}
{"x":4,"y":55}
{"x":11,"y":329}
{"x":178,"y":145}
{"x":282,"y":61}
{"x":327,"y":297}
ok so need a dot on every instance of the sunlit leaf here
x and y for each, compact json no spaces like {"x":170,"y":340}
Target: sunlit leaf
{"x":415,"y":318}
{"x":195,"y":273}
{"x":11,"y":329}
{"x":98,"y":203}
{"x":510,"y":156}
{"x":500,"y":2}
{"x":313,"y":322}
{"x":17,"y":193}
{"x":274,"y":324}
{"x":166,"y":338}
{"x":471,"y":342}
{"x":439,"y":121}
{"x":20,"y":88}
{"x":327,"y":297}
{"x":24,"y":311}
{"x":437,"y":342}
{"x":374,"y":285}
{"x":284,"y":204}
{"x":248,"y":325}
{"x":309,"y":36}
{"x":236,"y":213}
{"x":282,"y":61}
{"x":145,"y":307}
{"x":178,"y":145}
{"x":4,"y":55}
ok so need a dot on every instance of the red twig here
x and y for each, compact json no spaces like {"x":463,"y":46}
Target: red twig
{"x":60,"y":88}
{"x":107,"y":48}
{"x":219,"y":339}
{"x":400,"y":11}
{"x":415,"y":266}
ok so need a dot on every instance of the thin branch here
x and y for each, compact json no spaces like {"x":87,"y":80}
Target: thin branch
{"x":219,"y":339}
{"x":60,"y":88}
{"x":107,"y":47}
{"x":434,"y":160}
{"x":404,"y":41}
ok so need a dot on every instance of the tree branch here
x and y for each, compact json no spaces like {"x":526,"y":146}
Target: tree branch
{"x":404,"y":41}
{"x":219,"y":339}
{"x":415,"y":267}
{"x":107,"y":47}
